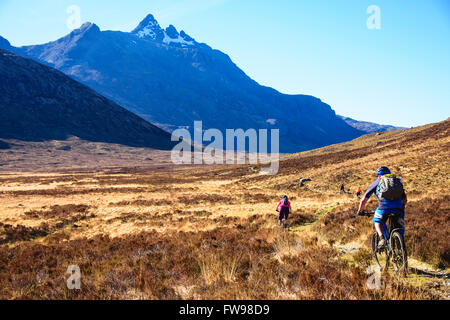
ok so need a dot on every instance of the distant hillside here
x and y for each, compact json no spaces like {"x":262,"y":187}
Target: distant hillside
{"x":368,"y":127}
{"x":39,"y":103}
{"x":171,"y":80}
{"x":4,"y":145}
{"x":4,"y":44}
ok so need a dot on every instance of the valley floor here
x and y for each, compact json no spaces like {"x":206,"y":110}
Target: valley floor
{"x":210,"y":232}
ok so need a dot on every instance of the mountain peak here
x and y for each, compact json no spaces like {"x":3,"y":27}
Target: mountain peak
{"x":4,"y":44}
{"x":89,"y":25}
{"x":149,"y":28}
{"x":186,"y":37}
{"x":149,"y":19}
{"x":172,"y":32}
{"x":86,"y":28}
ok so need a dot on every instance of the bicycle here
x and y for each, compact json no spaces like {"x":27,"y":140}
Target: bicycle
{"x":395,"y":248}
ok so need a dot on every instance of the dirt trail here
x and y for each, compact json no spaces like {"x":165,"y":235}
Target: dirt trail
{"x":419,"y":273}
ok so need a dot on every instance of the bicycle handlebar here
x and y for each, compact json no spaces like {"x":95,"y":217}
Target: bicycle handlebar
{"x":366,"y":214}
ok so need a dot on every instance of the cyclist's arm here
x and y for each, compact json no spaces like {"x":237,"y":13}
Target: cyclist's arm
{"x":372,"y":189}
{"x":278,"y":206}
{"x":363,"y":204}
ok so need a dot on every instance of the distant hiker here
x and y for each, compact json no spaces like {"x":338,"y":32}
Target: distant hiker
{"x":284,"y":209}
{"x":358,"y":193}
{"x":342,"y":188}
{"x":391,"y":200}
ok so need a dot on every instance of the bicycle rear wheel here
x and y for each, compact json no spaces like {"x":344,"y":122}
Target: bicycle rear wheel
{"x":399,"y":255}
{"x":381,"y":255}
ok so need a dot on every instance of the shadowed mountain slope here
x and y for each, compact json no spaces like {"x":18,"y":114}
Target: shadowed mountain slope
{"x":39,"y":103}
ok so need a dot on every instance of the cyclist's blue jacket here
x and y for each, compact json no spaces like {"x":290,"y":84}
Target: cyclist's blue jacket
{"x":384,"y":204}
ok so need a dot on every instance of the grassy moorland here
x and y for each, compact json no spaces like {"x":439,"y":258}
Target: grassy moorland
{"x":209,"y":232}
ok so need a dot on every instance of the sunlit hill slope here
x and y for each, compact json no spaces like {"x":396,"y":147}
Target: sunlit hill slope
{"x":210,"y":231}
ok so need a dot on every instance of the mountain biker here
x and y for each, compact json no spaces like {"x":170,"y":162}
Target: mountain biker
{"x":284,"y":208}
{"x":358,"y":192}
{"x":385,"y":207}
{"x":342,"y":188}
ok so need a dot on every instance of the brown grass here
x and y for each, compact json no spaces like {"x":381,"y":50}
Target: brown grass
{"x":220,"y":264}
{"x":428,"y":230}
{"x":210,"y":232}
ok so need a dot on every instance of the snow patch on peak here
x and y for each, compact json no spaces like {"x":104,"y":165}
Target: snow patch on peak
{"x":179,"y":40}
{"x":148,"y":31}
{"x":185,"y":36}
{"x":171,"y":35}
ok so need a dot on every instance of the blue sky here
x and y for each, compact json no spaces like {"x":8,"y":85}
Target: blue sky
{"x":399,"y":74}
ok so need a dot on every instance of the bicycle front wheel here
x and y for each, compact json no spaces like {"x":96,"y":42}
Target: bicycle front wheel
{"x":399,"y":255}
{"x":380,"y":254}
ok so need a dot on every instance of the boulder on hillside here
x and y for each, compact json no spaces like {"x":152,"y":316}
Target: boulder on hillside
{"x":303,"y":181}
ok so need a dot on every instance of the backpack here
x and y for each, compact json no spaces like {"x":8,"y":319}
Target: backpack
{"x":390,"y":187}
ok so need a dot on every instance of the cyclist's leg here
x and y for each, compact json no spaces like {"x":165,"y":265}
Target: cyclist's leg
{"x":379,"y":222}
{"x":285,"y":215}
{"x":399,"y":222}
{"x":281,"y":215}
